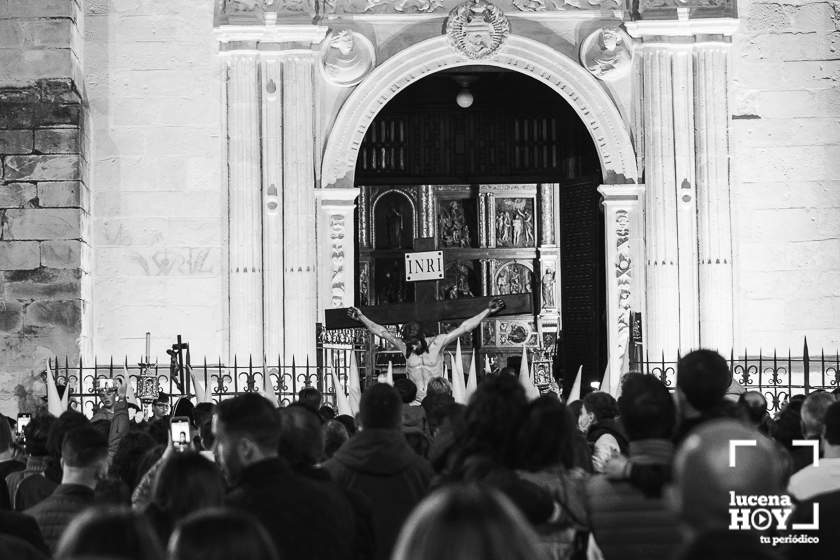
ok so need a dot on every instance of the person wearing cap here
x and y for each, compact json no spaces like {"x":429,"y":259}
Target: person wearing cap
{"x":160,"y":406}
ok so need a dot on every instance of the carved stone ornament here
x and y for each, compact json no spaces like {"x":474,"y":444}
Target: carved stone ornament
{"x":347,"y":57}
{"x":606,"y":53}
{"x":477,"y":28}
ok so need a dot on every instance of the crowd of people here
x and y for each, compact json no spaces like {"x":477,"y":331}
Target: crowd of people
{"x":649,"y":475}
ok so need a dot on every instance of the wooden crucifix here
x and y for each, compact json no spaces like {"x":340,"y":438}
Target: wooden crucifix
{"x":426,"y":307}
{"x":424,"y":352}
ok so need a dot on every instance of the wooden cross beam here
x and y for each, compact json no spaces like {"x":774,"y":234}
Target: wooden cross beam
{"x":426,"y":309}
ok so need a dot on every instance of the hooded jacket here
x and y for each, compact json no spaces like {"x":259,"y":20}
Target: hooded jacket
{"x":379,"y":464}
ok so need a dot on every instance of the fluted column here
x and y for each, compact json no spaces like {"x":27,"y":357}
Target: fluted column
{"x":713,"y":194}
{"x":684,"y":184}
{"x":663,"y":297}
{"x":272,"y":204}
{"x":244,"y":211}
{"x":625,"y":280}
{"x":299,"y":234}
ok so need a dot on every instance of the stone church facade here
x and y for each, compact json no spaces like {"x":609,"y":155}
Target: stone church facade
{"x":188,"y":167}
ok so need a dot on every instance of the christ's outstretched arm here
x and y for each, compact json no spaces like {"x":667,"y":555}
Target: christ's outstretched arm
{"x":378,"y":330}
{"x":472,"y":323}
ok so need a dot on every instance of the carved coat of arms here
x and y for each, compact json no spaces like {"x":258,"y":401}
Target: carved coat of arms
{"x":477,"y":28}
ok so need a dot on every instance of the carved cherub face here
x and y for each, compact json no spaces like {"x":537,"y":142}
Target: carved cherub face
{"x":610,"y":39}
{"x":343,"y":42}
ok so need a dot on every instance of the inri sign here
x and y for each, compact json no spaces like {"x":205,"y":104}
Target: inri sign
{"x":424,"y":266}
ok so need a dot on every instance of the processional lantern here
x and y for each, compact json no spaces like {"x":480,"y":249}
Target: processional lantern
{"x":147,"y":384}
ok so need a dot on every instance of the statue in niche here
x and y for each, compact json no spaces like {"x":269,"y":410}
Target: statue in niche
{"x":453,"y":227}
{"x":394,"y":223}
{"x":548,"y":287}
{"x":502,"y":284}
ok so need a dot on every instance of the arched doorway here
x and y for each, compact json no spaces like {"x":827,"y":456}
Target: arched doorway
{"x":508,"y":191}
{"x":584,"y":95}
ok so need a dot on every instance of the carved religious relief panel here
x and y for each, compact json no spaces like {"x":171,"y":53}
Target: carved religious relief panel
{"x":513,"y":278}
{"x":515,"y":224}
{"x":461,"y":279}
{"x":456,"y":223}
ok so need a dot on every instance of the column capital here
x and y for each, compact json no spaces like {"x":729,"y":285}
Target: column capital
{"x":251,"y":35}
{"x":342,"y":200}
{"x":644,"y":29}
{"x":617,"y":194}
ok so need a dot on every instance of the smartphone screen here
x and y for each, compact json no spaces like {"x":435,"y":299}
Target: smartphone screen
{"x":23,"y":420}
{"x":179,"y":428}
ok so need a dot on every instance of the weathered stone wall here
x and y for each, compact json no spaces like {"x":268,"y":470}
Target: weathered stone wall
{"x":786,"y":174}
{"x":152,"y":77}
{"x":44,"y":197}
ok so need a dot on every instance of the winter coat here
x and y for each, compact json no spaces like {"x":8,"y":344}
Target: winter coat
{"x":304,"y":519}
{"x":380,"y":465}
{"x":55,"y":513}
{"x":629,"y":518}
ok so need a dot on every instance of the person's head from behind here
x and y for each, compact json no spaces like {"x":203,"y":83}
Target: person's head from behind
{"x":646,"y":408}
{"x":703,"y":477}
{"x":546,"y":435}
{"x":466,"y":522}
{"x":6,"y":439}
{"x":67,"y":421}
{"x":492,"y":419}
{"x":831,"y":431}
{"x":84,"y":456}
{"x":301,"y":441}
{"x":246,"y":429}
{"x":380,"y":408}
{"x":813,"y":412}
{"x":187,"y":482}
{"x":335,"y":435}
{"x":597,"y":406}
{"x":703,"y":377}
{"x":438,"y":386}
{"x":407,"y":389}
{"x":310,"y":397}
{"x":220,"y":534}
{"x":754,"y":406}
{"x":37,"y":432}
{"x":109,"y":532}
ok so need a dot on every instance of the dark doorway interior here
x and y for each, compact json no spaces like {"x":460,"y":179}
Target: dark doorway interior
{"x":517,"y":130}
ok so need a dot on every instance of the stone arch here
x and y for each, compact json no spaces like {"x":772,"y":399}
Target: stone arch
{"x":532,"y":58}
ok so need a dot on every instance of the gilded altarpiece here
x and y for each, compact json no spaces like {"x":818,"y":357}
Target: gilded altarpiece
{"x":497,"y":239}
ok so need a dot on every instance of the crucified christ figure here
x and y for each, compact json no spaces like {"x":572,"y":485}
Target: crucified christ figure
{"x":424,"y":355}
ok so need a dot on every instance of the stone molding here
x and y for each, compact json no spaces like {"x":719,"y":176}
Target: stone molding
{"x":682,"y":27}
{"x":583,"y":92}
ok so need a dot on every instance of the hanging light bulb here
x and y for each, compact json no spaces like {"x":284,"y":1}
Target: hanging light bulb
{"x":464,"y":99}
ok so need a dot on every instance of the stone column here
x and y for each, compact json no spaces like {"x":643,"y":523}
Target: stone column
{"x":337,"y":277}
{"x":244,"y":207}
{"x":625,"y":284}
{"x":663,"y":298}
{"x":299,"y":233}
{"x":271,"y":82}
{"x":711,"y":134}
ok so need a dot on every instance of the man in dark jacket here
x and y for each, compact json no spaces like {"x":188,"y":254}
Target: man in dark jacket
{"x":629,"y":517}
{"x":84,"y":458}
{"x":304,"y":519}
{"x":379,"y":463}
